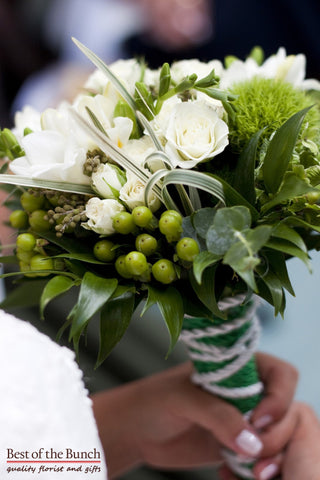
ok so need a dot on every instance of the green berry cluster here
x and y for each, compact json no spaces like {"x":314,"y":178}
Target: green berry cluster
{"x":32,"y":257}
{"x":153,"y":241}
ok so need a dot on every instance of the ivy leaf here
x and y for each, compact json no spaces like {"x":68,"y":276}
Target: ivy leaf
{"x":170,"y":305}
{"x":56,"y":286}
{"x":228,"y":222}
{"x":114,"y":320}
{"x":94,"y":292}
{"x":280,"y":151}
{"x":202,"y":261}
{"x":206,"y":291}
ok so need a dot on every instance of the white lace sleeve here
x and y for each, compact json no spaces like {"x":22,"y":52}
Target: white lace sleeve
{"x":47,"y":427}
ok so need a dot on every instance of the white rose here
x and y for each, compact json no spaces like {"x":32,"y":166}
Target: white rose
{"x":132,"y":193}
{"x":100,"y":214}
{"x":139,"y":149}
{"x":108,"y":180}
{"x":195,"y":134}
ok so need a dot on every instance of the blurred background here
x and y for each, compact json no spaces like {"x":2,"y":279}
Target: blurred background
{"x":40,"y":65}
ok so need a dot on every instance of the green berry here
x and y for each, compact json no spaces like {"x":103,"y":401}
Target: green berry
{"x":25,"y":267}
{"x":19,"y":219}
{"x":146,"y":244}
{"x":142,"y":216}
{"x":103,"y":250}
{"x":174,"y":213}
{"x":163,"y":271}
{"x":121,"y":267}
{"x":39,"y":221}
{"x":39,"y":262}
{"x":24,"y":255}
{"x":136,"y":263}
{"x":31,"y":202}
{"x":187,"y":249}
{"x":123,"y":223}
{"x":171,"y":227}
{"x":26,"y":241}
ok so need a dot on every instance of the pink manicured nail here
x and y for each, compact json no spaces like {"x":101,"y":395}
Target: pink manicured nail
{"x":249,"y":443}
{"x":269,"y":472}
{"x":263,"y":422}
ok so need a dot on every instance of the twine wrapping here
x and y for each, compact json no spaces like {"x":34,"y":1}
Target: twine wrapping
{"x":222,"y":352}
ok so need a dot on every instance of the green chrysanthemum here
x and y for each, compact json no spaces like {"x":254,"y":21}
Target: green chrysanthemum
{"x":268,"y":103}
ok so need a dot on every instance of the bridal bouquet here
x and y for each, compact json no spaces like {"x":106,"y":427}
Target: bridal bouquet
{"x":188,"y":187}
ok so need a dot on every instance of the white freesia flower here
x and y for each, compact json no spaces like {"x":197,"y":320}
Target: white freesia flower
{"x":128,"y":72}
{"x":121,"y":131}
{"x":55,"y":153}
{"x":132,"y":193}
{"x":100,"y":214}
{"x":28,"y":117}
{"x":107,"y":180}
{"x":96,"y":82}
{"x":195,"y":134}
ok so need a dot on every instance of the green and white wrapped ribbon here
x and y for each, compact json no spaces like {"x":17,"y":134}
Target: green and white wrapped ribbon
{"x":222,"y":352}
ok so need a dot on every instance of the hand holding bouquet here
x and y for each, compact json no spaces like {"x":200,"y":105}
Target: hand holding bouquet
{"x":187,"y":187}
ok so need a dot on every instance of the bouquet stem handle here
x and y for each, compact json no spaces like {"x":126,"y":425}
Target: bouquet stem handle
{"x":222,"y":352}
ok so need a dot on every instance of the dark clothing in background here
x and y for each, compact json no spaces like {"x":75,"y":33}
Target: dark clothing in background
{"x":240,"y":25}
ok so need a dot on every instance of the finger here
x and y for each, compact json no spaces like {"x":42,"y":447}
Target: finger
{"x":225,"y":474}
{"x":223,"y":420}
{"x":280,"y":380}
{"x":277,"y":437}
{"x":268,"y":467}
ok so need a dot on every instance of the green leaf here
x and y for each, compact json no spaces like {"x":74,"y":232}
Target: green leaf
{"x":82,"y":257}
{"x":26,"y":294}
{"x":94,"y":292}
{"x":274,"y":285}
{"x":206,"y":290}
{"x":244,"y":183}
{"x":170,"y":305}
{"x":203,"y":261}
{"x":280,"y":151}
{"x":47,"y":184}
{"x":114,"y":320}
{"x":288,"y":248}
{"x":227,"y":224}
{"x":278,"y":264}
{"x":287,"y":233}
{"x":202,"y":220}
{"x":165,"y":79}
{"x":55,"y":287}
{"x":71,"y":245}
{"x":233,"y":198}
{"x":292,"y":187}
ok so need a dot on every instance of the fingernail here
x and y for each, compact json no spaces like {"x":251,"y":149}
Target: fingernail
{"x":269,"y":471}
{"x":263,"y":422}
{"x":249,"y":443}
